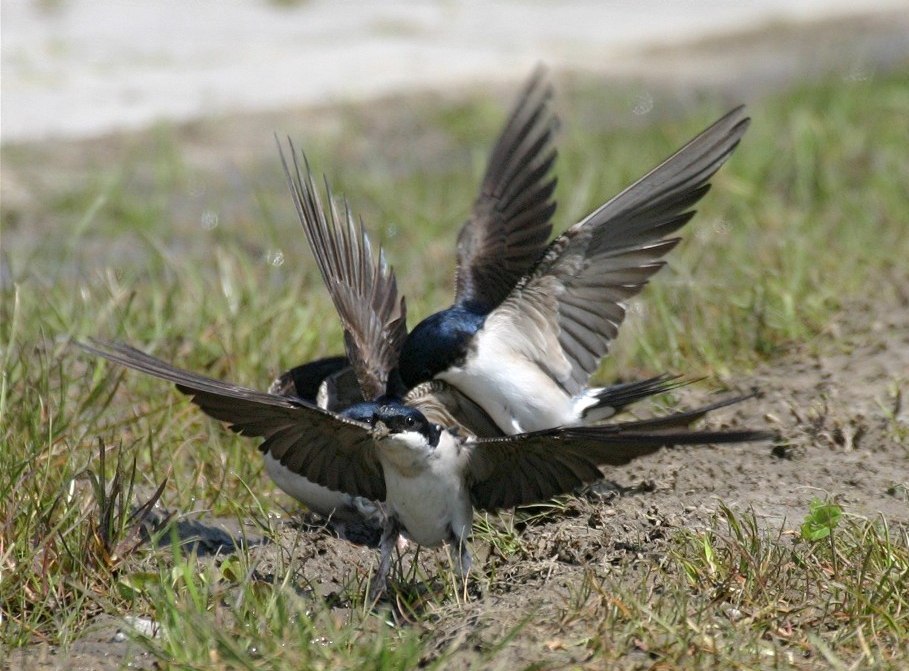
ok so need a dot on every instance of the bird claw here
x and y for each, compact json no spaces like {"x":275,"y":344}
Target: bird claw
{"x":371,"y":511}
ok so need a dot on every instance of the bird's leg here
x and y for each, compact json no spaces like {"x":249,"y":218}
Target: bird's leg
{"x":372,"y":511}
{"x":386,"y":547}
{"x":459,"y":550}
{"x":376,"y":514}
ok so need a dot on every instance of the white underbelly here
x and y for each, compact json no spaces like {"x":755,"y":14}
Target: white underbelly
{"x":428,"y":506}
{"x":514,"y":392}
{"x":317,"y":498}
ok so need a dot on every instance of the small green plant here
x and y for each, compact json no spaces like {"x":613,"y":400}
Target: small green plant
{"x":822,"y":518}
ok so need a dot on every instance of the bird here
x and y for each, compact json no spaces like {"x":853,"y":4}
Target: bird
{"x":430,"y":477}
{"x":498,"y":247}
{"x":528,"y":361}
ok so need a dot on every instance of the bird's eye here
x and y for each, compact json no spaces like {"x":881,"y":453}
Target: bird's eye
{"x":410,"y":421}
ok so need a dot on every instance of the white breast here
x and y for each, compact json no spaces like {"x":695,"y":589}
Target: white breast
{"x":511,"y":388}
{"x":430,"y":500}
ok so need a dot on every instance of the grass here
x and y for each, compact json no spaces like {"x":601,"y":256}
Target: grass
{"x":756,"y":599}
{"x":139,"y":240}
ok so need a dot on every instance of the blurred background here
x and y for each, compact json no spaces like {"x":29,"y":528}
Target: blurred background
{"x":129,"y":119}
{"x":78,"y":68}
{"x":138,"y":138}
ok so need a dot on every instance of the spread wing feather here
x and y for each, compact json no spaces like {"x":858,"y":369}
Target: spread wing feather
{"x":529,"y":468}
{"x":362,"y":286}
{"x":510,"y":222}
{"x":574,"y":300}
{"x":323,"y":447}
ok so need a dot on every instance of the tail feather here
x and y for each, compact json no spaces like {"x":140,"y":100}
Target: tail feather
{"x":604,"y":402}
{"x":674,"y":428}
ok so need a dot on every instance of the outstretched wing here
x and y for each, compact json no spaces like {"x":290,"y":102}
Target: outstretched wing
{"x":533,"y":467}
{"x":569,"y":310}
{"x":362,"y":286}
{"x":323,"y":447}
{"x":510,"y":223}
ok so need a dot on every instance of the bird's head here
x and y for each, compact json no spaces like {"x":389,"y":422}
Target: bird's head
{"x":436,"y":343}
{"x":394,"y":421}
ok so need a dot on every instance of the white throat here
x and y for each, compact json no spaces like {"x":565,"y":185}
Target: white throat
{"x":406,"y":452}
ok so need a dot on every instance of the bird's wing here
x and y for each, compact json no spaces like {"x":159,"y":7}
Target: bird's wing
{"x":446,"y":406}
{"x":362,"y":285}
{"x":323,"y":447}
{"x":533,"y":467}
{"x":568,"y":311}
{"x":510,"y":223}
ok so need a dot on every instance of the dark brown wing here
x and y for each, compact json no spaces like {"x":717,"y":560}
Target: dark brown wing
{"x":323,"y":447}
{"x":571,"y":307}
{"x":510,"y":223}
{"x":534,"y":467}
{"x":362,"y":286}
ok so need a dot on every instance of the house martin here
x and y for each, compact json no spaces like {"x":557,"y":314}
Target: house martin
{"x":527,"y":362}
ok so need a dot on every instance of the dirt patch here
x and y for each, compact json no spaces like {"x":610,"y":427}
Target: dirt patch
{"x":104,"y":646}
{"x":837,"y":406}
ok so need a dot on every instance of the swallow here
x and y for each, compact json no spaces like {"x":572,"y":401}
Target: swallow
{"x":430,"y":477}
{"x":499,"y":246}
{"x":528,"y":360}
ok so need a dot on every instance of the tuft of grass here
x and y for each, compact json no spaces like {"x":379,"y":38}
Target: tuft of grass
{"x":220,"y":617}
{"x":71,"y":549}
